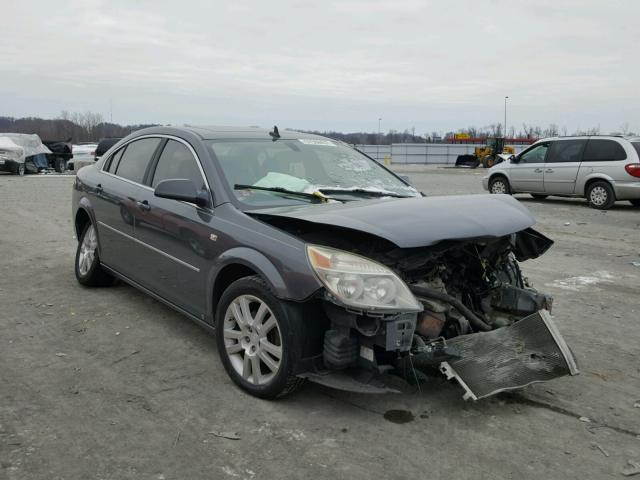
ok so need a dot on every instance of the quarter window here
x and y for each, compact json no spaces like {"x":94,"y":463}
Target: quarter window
{"x":114,"y":160}
{"x":176,"y":161}
{"x":599,"y":150}
{"x":566,"y":151}
{"x":135,"y":159}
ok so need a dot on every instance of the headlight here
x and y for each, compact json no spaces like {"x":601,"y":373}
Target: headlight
{"x":359,"y":282}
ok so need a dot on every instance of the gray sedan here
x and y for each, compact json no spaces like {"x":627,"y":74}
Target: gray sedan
{"x":312,"y":261}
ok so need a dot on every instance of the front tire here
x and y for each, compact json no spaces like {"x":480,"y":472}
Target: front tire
{"x":600,"y":195}
{"x":499,"y":185}
{"x":20,"y":170}
{"x":256,"y":339}
{"x":89,"y":272}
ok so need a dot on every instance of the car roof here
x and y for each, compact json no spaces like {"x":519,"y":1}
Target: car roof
{"x":224,"y":132}
{"x":583,"y":137}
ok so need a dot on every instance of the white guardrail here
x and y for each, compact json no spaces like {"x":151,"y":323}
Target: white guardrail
{"x":422,"y":153}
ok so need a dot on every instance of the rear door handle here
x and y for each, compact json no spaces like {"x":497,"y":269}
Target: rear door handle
{"x":144,"y":205}
{"x":538,"y":170}
{"x":549,"y":170}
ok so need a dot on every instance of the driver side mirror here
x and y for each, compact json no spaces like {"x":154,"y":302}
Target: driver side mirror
{"x":514,"y":159}
{"x":183,"y":190}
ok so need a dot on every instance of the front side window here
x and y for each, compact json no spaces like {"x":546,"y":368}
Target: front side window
{"x":303,"y":165}
{"x":135,"y":159}
{"x":566,"y":151}
{"x":600,"y":150}
{"x":176,"y":161}
{"x":535,"y":154}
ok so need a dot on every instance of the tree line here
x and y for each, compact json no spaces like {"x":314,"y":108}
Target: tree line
{"x":75,"y":127}
{"x":91,"y":127}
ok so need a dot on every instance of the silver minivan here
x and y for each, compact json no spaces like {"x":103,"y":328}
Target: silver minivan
{"x":602,"y":169}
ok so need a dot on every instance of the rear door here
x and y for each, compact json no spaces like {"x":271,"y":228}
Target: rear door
{"x":176,"y":235}
{"x":561,"y":166}
{"x":527,"y":174}
{"x":115,"y":205}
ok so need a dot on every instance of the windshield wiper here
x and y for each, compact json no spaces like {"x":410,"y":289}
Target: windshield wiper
{"x":316,"y":196}
{"x":362,"y":191}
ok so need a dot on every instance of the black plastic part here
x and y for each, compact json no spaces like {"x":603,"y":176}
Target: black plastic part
{"x":182,"y":189}
{"x":519,"y":300}
{"x":340,"y":349}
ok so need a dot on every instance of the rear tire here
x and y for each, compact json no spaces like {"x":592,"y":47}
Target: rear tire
{"x":539,"y":196}
{"x":600,"y":195}
{"x":60,"y":165}
{"x":88,"y":270}
{"x":499,"y":185}
{"x":20,"y":170}
{"x":488,"y":162}
{"x":257,"y":340}
{"x":635,"y":202}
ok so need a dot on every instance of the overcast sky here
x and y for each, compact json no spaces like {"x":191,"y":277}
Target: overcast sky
{"x":334,"y":65}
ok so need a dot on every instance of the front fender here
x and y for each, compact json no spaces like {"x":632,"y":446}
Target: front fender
{"x":264,"y":267}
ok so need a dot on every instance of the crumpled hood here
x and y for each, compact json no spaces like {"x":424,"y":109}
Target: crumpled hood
{"x":417,"y":222}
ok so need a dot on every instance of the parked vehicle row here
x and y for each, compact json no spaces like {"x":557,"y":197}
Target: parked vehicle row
{"x":602,"y":169}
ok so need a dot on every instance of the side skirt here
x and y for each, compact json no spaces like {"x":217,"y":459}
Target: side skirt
{"x":209,"y":328}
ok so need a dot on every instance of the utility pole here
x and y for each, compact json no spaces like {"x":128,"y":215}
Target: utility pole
{"x":505,"y":116}
{"x":378,"y":142}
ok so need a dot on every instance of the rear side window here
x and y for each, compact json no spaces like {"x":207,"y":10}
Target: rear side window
{"x":636,"y":145}
{"x":566,"y":151}
{"x":599,"y":150}
{"x":135,"y":159}
{"x":176,"y":161}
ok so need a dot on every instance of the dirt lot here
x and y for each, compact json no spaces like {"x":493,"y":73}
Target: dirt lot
{"x":110,"y":384}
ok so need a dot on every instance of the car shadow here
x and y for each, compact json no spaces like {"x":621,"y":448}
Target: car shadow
{"x":621,"y":205}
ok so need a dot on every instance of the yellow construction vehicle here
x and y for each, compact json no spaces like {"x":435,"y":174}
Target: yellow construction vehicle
{"x":487,"y":156}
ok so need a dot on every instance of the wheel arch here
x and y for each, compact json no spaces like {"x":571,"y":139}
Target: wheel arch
{"x":243,"y":262}
{"x":495,"y":175}
{"x":596,"y":178}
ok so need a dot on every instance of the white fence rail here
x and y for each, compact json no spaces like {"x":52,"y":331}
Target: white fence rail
{"x":422,"y":153}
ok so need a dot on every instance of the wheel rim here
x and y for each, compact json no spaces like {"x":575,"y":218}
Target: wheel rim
{"x":498,"y":187}
{"x":87,"y":251}
{"x":21,"y":170}
{"x":252,"y":339}
{"x":598,"y":196}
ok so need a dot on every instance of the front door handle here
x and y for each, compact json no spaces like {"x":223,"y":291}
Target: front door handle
{"x":549,"y":170}
{"x":538,"y":170}
{"x":144,"y":205}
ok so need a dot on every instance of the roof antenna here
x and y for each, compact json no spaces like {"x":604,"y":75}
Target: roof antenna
{"x":275,"y":134}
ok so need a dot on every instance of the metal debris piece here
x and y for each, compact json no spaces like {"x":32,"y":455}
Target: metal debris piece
{"x":632,"y":468}
{"x":585,"y":419}
{"x":598,"y":447}
{"x":227,"y":435}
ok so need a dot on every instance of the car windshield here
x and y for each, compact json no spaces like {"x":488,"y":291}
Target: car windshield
{"x":302,"y":165}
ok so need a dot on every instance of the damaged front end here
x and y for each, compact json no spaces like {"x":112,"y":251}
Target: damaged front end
{"x":472,"y":315}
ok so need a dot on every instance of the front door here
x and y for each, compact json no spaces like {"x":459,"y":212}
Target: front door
{"x":561,"y":166}
{"x":527,"y":174}
{"x":176,"y":234}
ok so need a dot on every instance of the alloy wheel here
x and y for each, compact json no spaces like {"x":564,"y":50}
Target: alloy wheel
{"x":252,"y":339}
{"x":498,"y":187}
{"x":598,"y":196}
{"x":87,"y":250}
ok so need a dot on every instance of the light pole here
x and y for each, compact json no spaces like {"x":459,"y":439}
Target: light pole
{"x":505,"y":117}
{"x":378,"y":142}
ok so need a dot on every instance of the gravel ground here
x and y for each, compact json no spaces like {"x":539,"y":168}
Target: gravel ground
{"x":110,"y":384}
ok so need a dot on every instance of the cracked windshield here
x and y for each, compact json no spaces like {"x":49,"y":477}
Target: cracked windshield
{"x":282,"y":172}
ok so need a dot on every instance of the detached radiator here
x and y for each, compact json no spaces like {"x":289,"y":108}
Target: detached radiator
{"x":531,"y":350}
